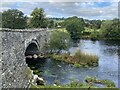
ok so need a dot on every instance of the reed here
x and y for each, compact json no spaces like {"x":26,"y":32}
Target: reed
{"x":85,"y":58}
{"x":79,"y":59}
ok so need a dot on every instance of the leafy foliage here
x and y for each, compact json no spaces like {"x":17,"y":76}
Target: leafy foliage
{"x":110,"y":29}
{"x":59,"y":40}
{"x":51,"y":24}
{"x":13,"y":18}
{"x":74,"y":26}
{"x":38,"y":19}
{"x":93,"y":24}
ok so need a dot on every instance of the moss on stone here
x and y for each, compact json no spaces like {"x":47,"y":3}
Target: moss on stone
{"x":36,"y":71}
{"x":28,"y":73}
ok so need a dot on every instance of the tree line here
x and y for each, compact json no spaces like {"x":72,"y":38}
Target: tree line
{"x":77,"y":27}
{"x":15,"y":19}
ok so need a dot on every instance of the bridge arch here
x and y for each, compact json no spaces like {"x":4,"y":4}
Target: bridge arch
{"x":32,"y":48}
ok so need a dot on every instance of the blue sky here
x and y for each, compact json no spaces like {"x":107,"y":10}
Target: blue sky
{"x":88,"y":10}
{"x":103,"y":4}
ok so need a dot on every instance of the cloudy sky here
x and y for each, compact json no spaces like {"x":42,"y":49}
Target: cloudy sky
{"x":88,"y":10}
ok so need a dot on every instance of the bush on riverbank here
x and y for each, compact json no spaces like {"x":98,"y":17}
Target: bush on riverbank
{"x":79,"y":59}
{"x":59,"y":40}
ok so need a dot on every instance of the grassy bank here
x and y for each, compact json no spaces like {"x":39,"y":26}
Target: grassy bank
{"x":89,"y":84}
{"x":79,"y":59}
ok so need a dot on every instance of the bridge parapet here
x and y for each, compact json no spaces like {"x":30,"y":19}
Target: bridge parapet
{"x":27,"y":30}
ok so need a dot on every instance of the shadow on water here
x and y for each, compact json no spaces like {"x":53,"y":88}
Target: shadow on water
{"x":35,"y":62}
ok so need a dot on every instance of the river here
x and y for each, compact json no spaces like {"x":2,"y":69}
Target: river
{"x":109,"y":56}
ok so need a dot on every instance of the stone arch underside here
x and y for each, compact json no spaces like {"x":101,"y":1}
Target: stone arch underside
{"x":32,"y":49}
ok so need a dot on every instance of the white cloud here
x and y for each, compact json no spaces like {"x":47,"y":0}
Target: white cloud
{"x":60,"y":9}
{"x":76,"y":4}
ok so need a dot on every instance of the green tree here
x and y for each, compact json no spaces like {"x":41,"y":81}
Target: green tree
{"x":106,"y":28}
{"x":14,"y":19}
{"x":93,"y":24}
{"x":110,"y":29}
{"x":51,"y":24}
{"x":59,"y":40}
{"x":74,"y":26}
{"x":38,"y":19}
{"x":115,"y":33}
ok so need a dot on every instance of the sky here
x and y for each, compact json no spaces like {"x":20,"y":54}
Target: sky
{"x":104,"y":9}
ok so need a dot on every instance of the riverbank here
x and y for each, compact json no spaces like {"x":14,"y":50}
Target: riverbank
{"x":90,"y":82}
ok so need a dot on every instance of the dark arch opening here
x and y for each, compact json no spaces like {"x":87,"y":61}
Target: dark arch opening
{"x":32,"y":49}
{"x":35,"y":64}
{"x":32,"y":62}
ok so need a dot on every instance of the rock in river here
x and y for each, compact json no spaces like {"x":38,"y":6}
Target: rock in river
{"x":38,"y":80}
{"x":35,"y":56}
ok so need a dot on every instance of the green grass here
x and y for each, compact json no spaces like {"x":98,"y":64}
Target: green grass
{"x":77,"y":65}
{"x":79,"y":85}
{"x":73,"y":84}
{"x":107,"y":83}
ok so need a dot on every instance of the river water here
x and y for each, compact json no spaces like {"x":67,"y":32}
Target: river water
{"x":109,"y":56}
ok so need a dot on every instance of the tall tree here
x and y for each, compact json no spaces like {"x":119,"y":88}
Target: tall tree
{"x":106,"y":28}
{"x":110,"y":29}
{"x":38,"y":19}
{"x":14,"y":19}
{"x":75,"y":26}
{"x":51,"y":24}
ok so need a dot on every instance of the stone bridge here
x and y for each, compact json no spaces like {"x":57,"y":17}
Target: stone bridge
{"x":14,"y":44}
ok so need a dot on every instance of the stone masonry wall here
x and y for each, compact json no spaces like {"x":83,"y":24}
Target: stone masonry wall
{"x":15,"y":73}
{"x":0,"y":61}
